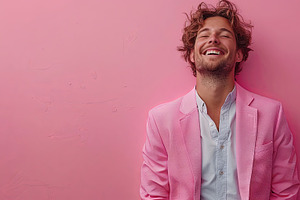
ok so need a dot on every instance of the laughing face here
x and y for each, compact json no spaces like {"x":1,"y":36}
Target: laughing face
{"x":215,"y":52}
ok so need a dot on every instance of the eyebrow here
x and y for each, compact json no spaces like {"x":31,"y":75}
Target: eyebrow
{"x":221,"y":30}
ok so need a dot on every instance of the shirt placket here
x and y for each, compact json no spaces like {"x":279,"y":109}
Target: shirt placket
{"x":221,"y":153}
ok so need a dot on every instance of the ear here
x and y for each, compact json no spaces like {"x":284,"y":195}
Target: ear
{"x":239,"y":56}
{"x":192,"y":56}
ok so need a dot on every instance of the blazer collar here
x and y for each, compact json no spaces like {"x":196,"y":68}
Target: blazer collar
{"x":189,"y":103}
{"x":244,"y":96}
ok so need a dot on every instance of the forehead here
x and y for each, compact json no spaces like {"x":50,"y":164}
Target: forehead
{"x":216,"y":23}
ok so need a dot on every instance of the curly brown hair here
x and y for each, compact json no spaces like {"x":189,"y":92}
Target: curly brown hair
{"x":226,"y":9}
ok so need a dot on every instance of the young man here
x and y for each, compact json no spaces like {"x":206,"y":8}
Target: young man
{"x":219,"y":141}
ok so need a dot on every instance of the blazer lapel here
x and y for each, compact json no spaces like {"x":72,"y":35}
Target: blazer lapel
{"x":246,"y":131}
{"x":190,"y":130}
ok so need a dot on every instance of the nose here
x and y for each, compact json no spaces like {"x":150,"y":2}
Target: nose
{"x":213,"y":39}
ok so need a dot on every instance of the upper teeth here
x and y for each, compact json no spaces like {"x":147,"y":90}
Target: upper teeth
{"x":212,"y":52}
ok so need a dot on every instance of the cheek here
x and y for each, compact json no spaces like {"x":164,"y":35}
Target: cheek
{"x":197,"y":51}
{"x":198,"y":46}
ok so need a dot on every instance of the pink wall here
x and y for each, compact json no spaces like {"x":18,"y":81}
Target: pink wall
{"x":77,"y":79}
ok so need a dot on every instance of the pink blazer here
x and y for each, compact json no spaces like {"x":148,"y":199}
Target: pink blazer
{"x":265,"y":155}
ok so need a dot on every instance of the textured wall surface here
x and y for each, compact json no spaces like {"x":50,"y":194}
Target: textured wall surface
{"x":77,"y":79}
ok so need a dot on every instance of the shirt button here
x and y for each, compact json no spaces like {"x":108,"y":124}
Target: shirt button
{"x":221,"y":173}
{"x":211,"y":124}
{"x":222,"y":147}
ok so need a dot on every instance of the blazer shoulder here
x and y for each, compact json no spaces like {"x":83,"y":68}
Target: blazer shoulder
{"x":264,"y":99}
{"x":260,"y":101}
{"x":170,"y":112}
{"x":266,"y":102}
{"x":168,"y":108}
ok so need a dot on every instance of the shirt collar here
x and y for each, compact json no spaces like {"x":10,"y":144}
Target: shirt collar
{"x":228,"y":101}
{"x":200,"y":103}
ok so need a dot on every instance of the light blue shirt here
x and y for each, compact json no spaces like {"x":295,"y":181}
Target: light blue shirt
{"x":219,"y":173}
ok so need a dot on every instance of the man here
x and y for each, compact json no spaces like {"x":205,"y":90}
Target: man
{"x":219,"y":141}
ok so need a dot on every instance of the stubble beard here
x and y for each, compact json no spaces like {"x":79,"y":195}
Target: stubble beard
{"x":217,"y":71}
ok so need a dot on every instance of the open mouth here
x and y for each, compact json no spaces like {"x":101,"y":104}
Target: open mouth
{"x":213,"y":52}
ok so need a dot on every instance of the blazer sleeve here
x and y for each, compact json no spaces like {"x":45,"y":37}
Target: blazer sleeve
{"x":154,"y":171}
{"x":285,"y":182}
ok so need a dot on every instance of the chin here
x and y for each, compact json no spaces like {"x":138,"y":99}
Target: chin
{"x":215,"y":69}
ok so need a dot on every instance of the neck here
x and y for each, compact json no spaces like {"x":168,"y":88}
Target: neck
{"x":214,"y":91}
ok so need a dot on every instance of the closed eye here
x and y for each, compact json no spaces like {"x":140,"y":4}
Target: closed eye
{"x":203,"y":36}
{"x":225,"y":36}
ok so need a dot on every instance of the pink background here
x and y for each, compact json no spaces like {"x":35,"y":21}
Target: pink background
{"x":77,"y":79}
